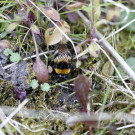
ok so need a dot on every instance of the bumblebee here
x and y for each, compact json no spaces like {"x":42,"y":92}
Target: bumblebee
{"x":62,"y":61}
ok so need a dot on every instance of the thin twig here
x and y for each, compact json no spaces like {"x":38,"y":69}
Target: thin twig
{"x":120,"y":88}
{"x":24,"y":38}
{"x":1,"y":132}
{"x":27,"y":113}
{"x":112,"y":34}
{"x":120,"y":5}
{"x":114,"y":103}
{"x":127,"y":126}
{"x":33,"y":56}
{"x":13,"y":113}
{"x":3,"y":117}
{"x":27,"y":128}
{"x":16,"y":128}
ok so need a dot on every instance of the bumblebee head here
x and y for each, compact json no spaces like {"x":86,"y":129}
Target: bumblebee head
{"x":62,"y":58}
{"x":62,"y":55}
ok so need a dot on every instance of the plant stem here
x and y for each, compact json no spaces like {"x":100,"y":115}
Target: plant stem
{"x":71,"y":79}
{"x":92,"y":21}
{"x":84,"y":42}
{"x":35,"y":43}
{"x":20,"y":3}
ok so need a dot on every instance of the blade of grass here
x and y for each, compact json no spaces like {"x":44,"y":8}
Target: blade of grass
{"x":102,"y":108}
{"x":73,"y":79}
{"x":7,"y":6}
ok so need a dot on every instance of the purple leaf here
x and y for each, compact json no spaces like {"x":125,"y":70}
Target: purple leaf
{"x":20,"y":94}
{"x":72,"y":17}
{"x":31,"y":15}
{"x":81,"y":87}
{"x":41,"y":69}
{"x":4,"y":44}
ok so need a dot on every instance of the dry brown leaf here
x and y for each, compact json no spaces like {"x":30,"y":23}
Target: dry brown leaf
{"x":108,"y":69}
{"x":94,"y":49}
{"x":64,"y":26}
{"x":4,"y":44}
{"x":73,"y":17}
{"x":51,"y":13}
{"x":50,"y":69}
{"x":133,"y":1}
{"x":113,"y":14}
{"x":54,"y":36}
{"x":74,"y":5}
{"x":64,"y":40}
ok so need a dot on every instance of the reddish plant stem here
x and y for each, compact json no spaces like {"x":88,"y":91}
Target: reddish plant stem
{"x":35,"y":43}
{"x":20,"y":3}
{"x":84,"y":42}
{"x":92,"y":20}
{"x":92,"y":30}
{"x":93,"y":10}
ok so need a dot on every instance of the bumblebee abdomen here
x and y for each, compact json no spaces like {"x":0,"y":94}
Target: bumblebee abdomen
{"x":62,"y":71}
{"x":62,"y":68}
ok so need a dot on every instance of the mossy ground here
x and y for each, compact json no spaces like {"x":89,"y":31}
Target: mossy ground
{"x":59,"y":98}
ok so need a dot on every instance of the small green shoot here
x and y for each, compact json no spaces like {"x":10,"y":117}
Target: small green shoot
{"x":7,"y":52}
{"x":34,"y":84}
{"x":45,"y":87}
{"x":15,"y":57}
{"x":103,"y":104}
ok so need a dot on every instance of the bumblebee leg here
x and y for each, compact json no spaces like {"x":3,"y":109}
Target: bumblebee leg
{"x":52,"y":63}
{"x":72,"y":67}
